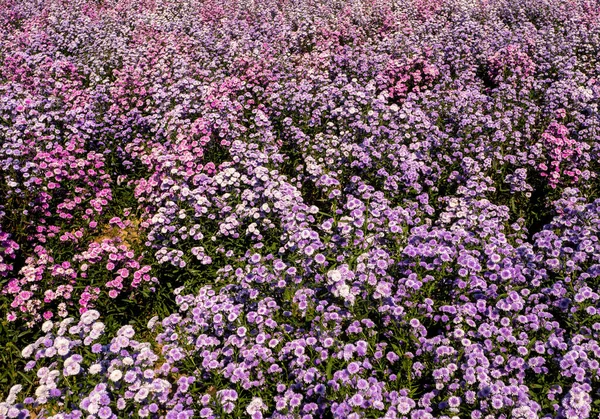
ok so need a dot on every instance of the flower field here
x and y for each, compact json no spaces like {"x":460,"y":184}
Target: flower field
{"x":298,"y":209}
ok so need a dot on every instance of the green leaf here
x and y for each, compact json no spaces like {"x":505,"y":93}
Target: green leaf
{"x":328,"y":372}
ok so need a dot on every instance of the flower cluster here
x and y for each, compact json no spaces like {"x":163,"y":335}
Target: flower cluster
{"x":326,"y":209}
{"x":121,"y":375}
{"x":8,"y":249}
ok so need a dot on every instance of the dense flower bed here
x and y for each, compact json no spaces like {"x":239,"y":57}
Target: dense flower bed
{"x":300,"y":209}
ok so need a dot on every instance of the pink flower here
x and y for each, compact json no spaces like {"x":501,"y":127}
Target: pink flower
{"x":25,"y":295}
{"x":49,"y":295}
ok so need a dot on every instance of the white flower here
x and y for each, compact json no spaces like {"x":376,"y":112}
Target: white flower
{"x":16,"y":389}
{"x":51,"y":378}
{"x":74,"y":330}
{"x":256,"y":405}
{"x":72,"y":369}
{"x":152,"y":322}
{"x":42,"y":393}
{"x":43,"y":372}
{"x":128,"y":360}
{"x":90,"y":316}
{"x":66,"y":322}
{"x":93,"y":408}
{"x":344,"y":290}
{"x":98,"y":326}
{"x":27,"y":351}
{"x":334,"y":275}
{"x":95,"y":368}
{"x":141,"y":394}
{"x":12,"y":394}
{"x":61,"y":345}
{"x":126,"y":331}
{"x":94,"y":334}
{"x":115,"y":375}
{"x":577,"y":400}
{"x":524,"y":412}
{"x":47,"y":326}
